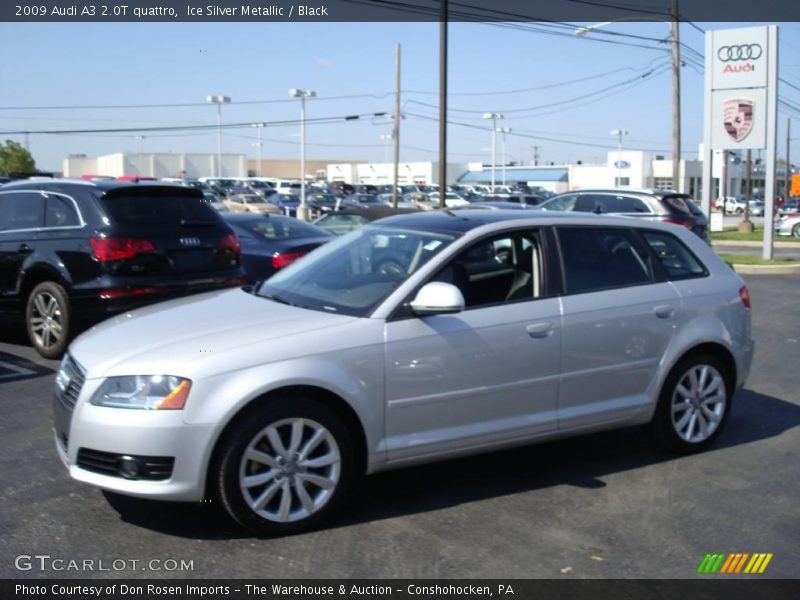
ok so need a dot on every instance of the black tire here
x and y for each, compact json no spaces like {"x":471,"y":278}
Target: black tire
{"x":663,"y":426}
{"x":230,"y":463}
{"x":48,"y":319}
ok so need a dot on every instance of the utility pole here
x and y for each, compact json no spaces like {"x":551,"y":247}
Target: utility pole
{"x":677,"y":183}
{"x":788,"y":181}
{"x":396,"y":125}
{"x":442,"y":103}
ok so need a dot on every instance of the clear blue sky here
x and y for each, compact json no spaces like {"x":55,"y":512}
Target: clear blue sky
{"x":141,"y":63}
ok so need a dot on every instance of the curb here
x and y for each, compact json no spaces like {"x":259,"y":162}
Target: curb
{"x":747,"y":244}
{"x":767,"y":269}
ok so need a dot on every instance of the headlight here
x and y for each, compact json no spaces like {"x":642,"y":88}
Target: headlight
{"x":143,"y":391}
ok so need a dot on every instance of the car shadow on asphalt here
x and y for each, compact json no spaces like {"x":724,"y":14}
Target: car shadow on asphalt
{"x":582,"y":462}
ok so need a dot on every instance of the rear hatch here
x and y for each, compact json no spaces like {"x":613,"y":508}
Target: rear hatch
{"x":683,"y":211}
{"x":166,"y":231}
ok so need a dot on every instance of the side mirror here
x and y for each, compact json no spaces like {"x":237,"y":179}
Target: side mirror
{"x":437,"y":298}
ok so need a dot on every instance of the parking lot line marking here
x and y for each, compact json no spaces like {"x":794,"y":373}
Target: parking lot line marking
{"x":15,"y":370}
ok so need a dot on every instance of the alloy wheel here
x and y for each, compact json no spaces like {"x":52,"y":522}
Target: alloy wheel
{"x":698,"y":403}
{"x":46,"y":320}
{"x":290,"y":470}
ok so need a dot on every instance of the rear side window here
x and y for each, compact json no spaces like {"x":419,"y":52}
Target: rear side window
{"x":605,"y":203}
{"x":598,"y":258}
{"x":561,"y":203}
{"x":680,"y":203}
{"x":158,"y":211}
{"x":21,"y":211}
{"x":677,"y":260}
{"x":60,"y":212}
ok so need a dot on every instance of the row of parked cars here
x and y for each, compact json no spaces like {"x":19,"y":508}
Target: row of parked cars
{"x":74,"y":252}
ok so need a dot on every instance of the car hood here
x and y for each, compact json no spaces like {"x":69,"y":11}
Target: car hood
{"x":196,"y":333}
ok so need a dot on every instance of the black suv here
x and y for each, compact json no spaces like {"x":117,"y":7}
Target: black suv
{"x":75,"y":252}
{"x":653,"y":205}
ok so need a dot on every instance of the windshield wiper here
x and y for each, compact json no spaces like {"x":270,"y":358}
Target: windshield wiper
{"x":276,"y":298}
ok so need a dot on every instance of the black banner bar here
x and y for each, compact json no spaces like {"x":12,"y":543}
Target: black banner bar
{"x":308,"y":11}
{"x":707,"y":588}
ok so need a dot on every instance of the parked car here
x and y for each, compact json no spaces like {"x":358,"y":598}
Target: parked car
{"x":215,"y":201}
{"x":262,"y":188}
{"x":492,"y":205}
{"x":788,"y":224}
{"x":255,"y":203}
{"x":493,"y":329}
{"x":651,"y":205}
{"x":270,"y":242}
{"x":732,"y":204}
{"x":344,"y":221}
{"x":527,"y":199}
{"x":322,"y":202}
{"x":288,"y":203}
{"x":757,"y":207}
{"x":789,"y":206}
{"x":76,"y":252}
{"x":451,"y":199}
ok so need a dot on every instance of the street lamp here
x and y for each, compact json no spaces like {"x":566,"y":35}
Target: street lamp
{"x":219,"y":101}
{"x":493,"y":118}
{"x":619,"y":133}
{"x":504,"y":131}
{"x":302,"y":210}
{"x":258,"y":144}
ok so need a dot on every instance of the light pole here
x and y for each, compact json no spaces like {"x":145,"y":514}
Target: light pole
{"x":493,"y":117}
{"x":219,"y":101}
{"x":619,"y":133}
{"x":258,"y":144}
{"x":302,"y":210}
{"x":504,"y":131}
{"x":677,"y":183}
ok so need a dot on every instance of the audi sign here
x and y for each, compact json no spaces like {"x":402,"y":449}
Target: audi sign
{"x":740,"y":52}
{"x":739,"y":58}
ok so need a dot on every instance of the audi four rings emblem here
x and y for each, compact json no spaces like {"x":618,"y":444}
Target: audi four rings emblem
{"x":740,"y":52}
{"x":190,"y":241}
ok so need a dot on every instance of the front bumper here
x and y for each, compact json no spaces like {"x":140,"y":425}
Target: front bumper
{"x":137,"y":433}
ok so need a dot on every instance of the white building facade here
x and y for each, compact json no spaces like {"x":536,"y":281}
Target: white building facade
{"x":156,"y":165}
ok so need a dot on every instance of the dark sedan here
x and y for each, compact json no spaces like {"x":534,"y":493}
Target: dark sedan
{"x":271,"y":242}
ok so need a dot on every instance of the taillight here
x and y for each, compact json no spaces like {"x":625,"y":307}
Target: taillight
{"x":231,"y":242}
{"x":744,"y":295}
{"x":280,"y":261}
{"x":684,"y":222}
{"x":115,"y":248}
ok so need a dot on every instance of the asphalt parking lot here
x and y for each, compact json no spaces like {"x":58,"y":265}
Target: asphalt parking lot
{"x":609,"y":505}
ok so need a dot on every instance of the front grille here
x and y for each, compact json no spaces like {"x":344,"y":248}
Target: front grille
{"x":151,"y":468}
{"x":77,"y":377}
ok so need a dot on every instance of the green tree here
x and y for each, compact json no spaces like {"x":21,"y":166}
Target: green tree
{"x":15,"y":159}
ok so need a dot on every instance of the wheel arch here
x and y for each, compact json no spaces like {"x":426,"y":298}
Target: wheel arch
{"x":37,"y":273}
{"x":332,"y":400}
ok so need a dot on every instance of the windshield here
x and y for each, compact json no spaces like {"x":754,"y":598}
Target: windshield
{"x":354,"y":273}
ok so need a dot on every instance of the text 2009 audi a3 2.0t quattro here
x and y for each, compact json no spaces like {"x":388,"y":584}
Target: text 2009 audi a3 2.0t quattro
{"x":417,"y":338}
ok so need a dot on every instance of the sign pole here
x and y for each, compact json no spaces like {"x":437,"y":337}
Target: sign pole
{"x":772,"y":139}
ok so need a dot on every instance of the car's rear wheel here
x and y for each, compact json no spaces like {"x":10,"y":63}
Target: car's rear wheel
{"x":694,"y":404}
{"x":285,"y":467}
{"x":796,"y":231}
{"x":47,"y":317}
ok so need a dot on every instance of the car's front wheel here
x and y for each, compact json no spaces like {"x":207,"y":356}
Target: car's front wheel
{"x":285,"y":466}
{"x":796,"y":231}
{"x":694,"y":404}
{"x":47,"y":318}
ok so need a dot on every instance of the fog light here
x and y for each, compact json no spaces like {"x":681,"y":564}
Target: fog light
{"x":128,"y":467}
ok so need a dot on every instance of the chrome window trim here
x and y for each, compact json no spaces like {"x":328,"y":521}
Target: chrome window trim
{"x":45,"y":194}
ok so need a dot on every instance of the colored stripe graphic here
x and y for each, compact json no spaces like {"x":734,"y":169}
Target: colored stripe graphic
{"x":734,"y":563}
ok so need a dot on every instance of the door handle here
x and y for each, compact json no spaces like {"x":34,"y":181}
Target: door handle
{"x":24,"y":249}
{"x":540,"y":330}
{"x":665,"y":311}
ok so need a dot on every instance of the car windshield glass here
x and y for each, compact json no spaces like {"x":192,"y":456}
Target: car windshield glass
{"x":158,"y":211}
{"x":277,"y":228}
{"x":354,"y":273}
{"x":253,"y":199}
{"x":258,"y":184}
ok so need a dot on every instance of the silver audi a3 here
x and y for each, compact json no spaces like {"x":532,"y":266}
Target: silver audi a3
{"x":416,"y":338}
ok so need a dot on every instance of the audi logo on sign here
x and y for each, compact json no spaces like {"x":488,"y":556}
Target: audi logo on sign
{"x":190,"y":241}
{"x":740,"y":52}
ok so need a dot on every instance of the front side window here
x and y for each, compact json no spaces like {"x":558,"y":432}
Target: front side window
{"x":353,"y":274}
{"x":599,"y":258}
{"x":498,"y":270}
{"x":677,"y":260}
